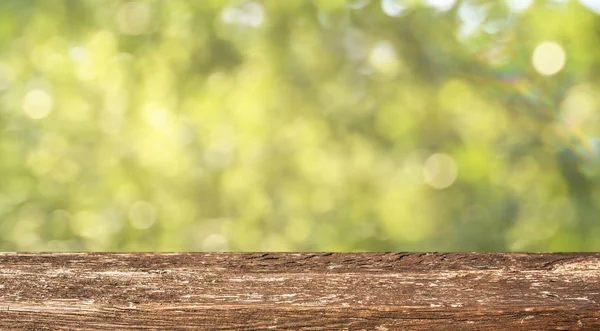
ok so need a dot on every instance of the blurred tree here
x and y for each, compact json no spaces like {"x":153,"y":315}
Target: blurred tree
{"x":298,"y":125}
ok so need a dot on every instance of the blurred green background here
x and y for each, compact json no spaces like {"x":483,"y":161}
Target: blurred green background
{"x":299,"y":125}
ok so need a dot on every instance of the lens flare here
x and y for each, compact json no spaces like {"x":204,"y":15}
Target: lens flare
{"x":505,"y":81}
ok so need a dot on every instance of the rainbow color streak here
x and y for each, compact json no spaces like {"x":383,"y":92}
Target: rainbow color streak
{"x":502,"y":80}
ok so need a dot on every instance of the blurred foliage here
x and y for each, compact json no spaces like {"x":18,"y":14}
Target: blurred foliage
{"x":323,"y":125}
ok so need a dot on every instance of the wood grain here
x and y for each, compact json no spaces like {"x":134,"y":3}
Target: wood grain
{"x":299,"y":291}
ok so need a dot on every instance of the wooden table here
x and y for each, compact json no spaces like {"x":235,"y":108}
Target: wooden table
{"x":300,"y":291}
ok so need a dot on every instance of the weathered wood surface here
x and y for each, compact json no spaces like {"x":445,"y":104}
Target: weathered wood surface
{"x":288,"y":291}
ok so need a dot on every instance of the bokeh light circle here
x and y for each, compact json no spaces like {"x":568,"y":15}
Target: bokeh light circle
{"x":548,"y":58}
{"x":37,"y":104}
{"x":440,"y":171}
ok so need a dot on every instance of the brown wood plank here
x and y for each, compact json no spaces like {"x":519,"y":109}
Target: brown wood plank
{"x":300,"y":291}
